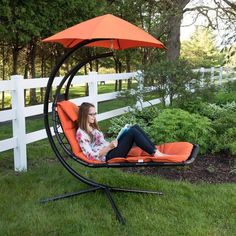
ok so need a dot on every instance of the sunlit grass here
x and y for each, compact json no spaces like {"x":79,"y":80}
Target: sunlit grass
{"x":184,"y":209}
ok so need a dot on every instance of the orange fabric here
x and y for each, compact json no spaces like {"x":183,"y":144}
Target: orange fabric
{"x":177,"y":151}
{"x":66,"y":111}
{"x":116,"y":32}
{"x":70,"y":109}
{"x":68,"y":114}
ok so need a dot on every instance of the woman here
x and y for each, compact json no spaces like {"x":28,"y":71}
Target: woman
{"x":95,"y":147}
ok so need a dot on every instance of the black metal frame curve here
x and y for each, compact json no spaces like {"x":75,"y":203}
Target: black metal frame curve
{"x":94,"y":186}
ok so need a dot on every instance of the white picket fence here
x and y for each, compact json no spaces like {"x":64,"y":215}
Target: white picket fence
{"x":19,"y":112}
{"x":217,"y":75}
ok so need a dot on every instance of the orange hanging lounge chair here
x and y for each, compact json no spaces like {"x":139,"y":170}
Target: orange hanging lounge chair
{"x":112,"y":32}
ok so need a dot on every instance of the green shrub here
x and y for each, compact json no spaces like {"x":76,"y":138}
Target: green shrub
{"x":224,"y":97}
{"x":118,"y":122}
{"x":192,"y":105}
{"x":225,"y":137}
{"x":179,"y":125}
{"x":142,"y":117}
{"x":224,"y":122}
{"x":230,"y":86}
{"x":146,"y":115}
{"x":214,"y":111}
{"x":229,"y":140}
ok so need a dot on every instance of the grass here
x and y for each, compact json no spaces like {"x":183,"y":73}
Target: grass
{"x":184,"y":209}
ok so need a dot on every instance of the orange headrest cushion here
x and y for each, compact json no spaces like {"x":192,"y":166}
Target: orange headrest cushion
{"x":70,"y":109}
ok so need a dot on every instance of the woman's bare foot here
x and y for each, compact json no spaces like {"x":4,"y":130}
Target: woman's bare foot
{"x":160,"y":154}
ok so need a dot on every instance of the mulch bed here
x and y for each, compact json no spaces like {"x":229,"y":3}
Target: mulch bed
{"x":209,"y":169}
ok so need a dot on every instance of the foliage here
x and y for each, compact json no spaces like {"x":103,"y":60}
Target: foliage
{"x":228,"y":141}
{"x":142,"y":117}
{"x":201,"y":50}
{"x":209,"y":99}
{"x":170,"y":78}
{"x":229,"y":37}
{"x":136,"y":93}
{"x":192,"y":104}
{"x":230,"y":52}
{"x":179,"y":125}
{"x":118,"y":122}
{"x":225,"y":97}
{"x":226,"y":93}
{"x":214,"y":111}
{"x":225,"y":129}
{"x":230,"y":86}
{"x":199,"y":95}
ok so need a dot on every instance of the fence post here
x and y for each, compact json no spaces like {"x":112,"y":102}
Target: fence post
{"x":231,"y":73}
{"x":202,"y":70}
{"x":220,"y":76}
{"x":212,"y":75}
{"x":20,"y":158}
{"x":227,"y":73}
{"x":140,"y":88}
{"x":93,"y":88}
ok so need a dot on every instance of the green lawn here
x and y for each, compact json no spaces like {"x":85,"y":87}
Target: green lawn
{"x":184,"y":209}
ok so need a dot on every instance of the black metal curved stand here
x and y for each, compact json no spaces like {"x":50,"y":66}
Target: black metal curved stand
{"x":93,"y":186}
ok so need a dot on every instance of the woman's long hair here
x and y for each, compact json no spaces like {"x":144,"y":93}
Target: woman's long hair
{"x":83,"y":118}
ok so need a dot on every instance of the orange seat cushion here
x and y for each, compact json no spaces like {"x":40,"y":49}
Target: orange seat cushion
{"x":68,"y":115}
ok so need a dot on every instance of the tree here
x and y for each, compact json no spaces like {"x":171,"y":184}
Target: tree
{"x":170,"y":79}
{"x":219,"y":15}
{"x":173,"y":15}
{"x":201,"y":50}
{"x":24,"y":23}
{"x":172,"y":12}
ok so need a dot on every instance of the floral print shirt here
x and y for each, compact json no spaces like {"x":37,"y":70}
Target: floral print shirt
{"x":89,"y":147}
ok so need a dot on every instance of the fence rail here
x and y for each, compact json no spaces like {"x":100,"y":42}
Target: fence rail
{"x":217,"y":75}
{"x":18,"y":113}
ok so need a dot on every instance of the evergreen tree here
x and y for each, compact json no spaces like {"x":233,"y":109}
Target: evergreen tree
{"x":201,"y":49}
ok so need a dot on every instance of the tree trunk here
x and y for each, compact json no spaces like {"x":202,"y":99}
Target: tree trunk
{"x":42,"y":76}
{"x":97,"y":65}
{"x":3,"y":75}
{"x":128,"y":59}
{"x":15,"y":54}
{"x":32,"y":56}
{"x":120,"y":71}
{"x":174,"y":23}
{"x":117,"y":69}
{"x":173,"y":41}
{"x":26,"y":72}
{"x":118,"y":66}
{"x":86,"y":85}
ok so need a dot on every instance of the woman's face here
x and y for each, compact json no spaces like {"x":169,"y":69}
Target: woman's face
{"x":92,"y":115}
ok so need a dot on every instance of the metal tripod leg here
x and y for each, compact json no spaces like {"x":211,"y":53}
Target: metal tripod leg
{"x":107,"y":190}
{"x":70,"y":195}
{"x":116,"y":210}
{"x":135,"y":191}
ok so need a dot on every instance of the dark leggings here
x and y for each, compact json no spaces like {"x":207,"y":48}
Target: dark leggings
{"x":135,"y":135}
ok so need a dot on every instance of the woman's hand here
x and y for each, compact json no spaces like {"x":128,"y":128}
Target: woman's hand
{"x":113,"y":144}
{"x":109,"y":147}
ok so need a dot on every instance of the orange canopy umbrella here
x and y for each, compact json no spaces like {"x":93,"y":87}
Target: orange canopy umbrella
{"x":111,"y":32}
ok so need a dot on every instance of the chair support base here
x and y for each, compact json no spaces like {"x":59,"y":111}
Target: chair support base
{"x":108,"y":191}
